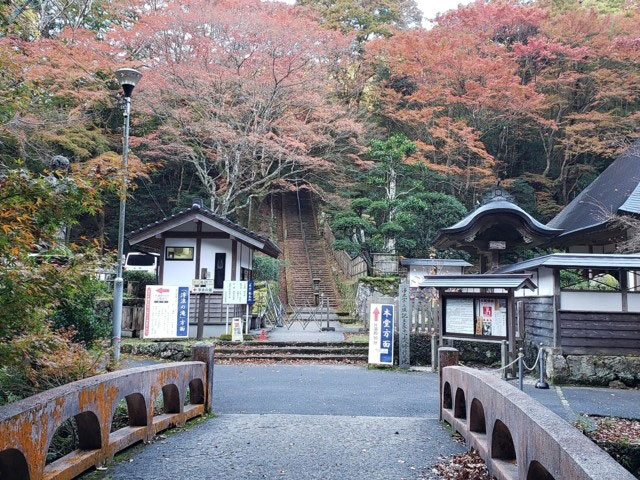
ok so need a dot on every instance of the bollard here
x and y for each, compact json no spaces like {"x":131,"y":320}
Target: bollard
{"x":520,"y":355}
{"x":202,"y":352}
{"x":503,"y":358}
{"x":434,"y":352}
{"x":447,"y":357}
{"x":541,"y":383}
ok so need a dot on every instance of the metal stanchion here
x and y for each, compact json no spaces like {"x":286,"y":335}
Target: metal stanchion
{"x":541,"y":383}
{"x":520,"y":355}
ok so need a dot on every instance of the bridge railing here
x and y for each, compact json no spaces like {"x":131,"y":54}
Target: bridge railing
{"x":516,"y":436}
{"x":27,"y":427}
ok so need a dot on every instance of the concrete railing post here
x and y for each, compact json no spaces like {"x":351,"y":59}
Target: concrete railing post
{"x":447,"y":357}
{"x":205,"y":353}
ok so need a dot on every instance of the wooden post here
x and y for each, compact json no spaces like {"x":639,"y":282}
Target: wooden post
{"x":205,"y":353}
{"x":557,"y":328}
{"x":511,"y":329}
{"x":624,"y":289}
{"x":200,"y":331}
{"x":441,"y":319}
{"x":447,"y":357}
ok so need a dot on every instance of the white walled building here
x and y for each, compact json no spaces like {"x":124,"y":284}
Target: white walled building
{"x":195,"y":244}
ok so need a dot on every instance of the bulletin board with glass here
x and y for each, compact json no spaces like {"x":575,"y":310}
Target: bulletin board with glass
{"x":475,"y":317}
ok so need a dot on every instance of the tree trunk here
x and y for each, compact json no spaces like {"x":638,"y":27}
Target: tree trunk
{"x":390,"y":243}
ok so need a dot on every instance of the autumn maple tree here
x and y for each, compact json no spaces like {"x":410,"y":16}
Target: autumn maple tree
{"x":242,"y":91}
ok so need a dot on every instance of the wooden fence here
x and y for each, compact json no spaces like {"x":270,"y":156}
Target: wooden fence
{"x":133,"y":319}
{"x":352,"y":268}
{"x":425,"y":316}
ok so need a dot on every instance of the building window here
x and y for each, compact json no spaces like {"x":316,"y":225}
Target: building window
{"x":245,"y":274}
{"x":179,"y":253}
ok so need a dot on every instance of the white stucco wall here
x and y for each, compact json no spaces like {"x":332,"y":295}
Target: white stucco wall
{"x":211,"y":246}
{"x":633,"y":302}
{"x":591,"y":301}
{"x":179,"y":272}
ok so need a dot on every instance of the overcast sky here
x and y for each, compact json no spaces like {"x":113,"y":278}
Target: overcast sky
{"x":430,"y":8}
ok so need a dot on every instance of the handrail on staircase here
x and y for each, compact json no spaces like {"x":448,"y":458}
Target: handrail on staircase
{"x":304,"y":237}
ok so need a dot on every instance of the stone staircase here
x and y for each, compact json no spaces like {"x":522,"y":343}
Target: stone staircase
{"x":305,"y":264}
{"x":348,"y":352}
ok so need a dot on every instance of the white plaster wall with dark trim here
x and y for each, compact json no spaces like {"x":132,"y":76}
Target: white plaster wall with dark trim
{"x":179,"y":272}
{"x":211,"y":246}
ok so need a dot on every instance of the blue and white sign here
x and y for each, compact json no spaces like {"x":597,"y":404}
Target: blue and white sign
{"x":381,"y":319}
{"x":183,"y":312}
{"x":250,"y":298}
{"x":166,"y":312}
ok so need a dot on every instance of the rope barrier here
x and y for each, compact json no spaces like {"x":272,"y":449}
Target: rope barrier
{"x":534,"y":365}
{"x":506,"y":366}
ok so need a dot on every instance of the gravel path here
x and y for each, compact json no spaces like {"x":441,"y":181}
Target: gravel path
{"x":305,"y":422}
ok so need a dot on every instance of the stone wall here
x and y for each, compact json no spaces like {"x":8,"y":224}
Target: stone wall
{"x":473,"y":353}
{"x":597,"y":370}
{"x":166,"y":350}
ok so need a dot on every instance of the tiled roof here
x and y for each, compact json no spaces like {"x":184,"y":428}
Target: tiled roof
{"x":270,"y":248}
{"x":617,"y":189}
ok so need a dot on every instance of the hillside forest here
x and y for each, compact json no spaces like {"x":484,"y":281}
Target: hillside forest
{"x":397,"y":129}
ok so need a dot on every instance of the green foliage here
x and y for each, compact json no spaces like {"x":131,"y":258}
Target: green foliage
{"x":393,"y":150}
{"x":141,"y":278}
{"x":366,"y":18}
{"x":266,"y":268}
{"x":385,"y":285}
{"x":78,"y":310}
{"x":578,"y":280}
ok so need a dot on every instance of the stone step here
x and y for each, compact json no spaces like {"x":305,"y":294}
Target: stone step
{"x":299,"y":357}
{"x":263,"y":350}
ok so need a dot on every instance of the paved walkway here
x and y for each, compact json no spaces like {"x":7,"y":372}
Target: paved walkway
{"x":305,"y":422}
{"x":312,"y":333}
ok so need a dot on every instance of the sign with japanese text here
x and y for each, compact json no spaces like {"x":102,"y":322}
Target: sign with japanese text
{"x":166,"y":312}
{"x":202,"y":285}
{"x":381,"y":318}
{"x":250,"y":297}
{"x":459,"y":315}
{"x":404,"y":326}
{"x":236,"y":330}
{"x":237,"y":292}
{"x":234,"y":292}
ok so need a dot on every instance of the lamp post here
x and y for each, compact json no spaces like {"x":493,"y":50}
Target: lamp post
{"x":128,"y":78}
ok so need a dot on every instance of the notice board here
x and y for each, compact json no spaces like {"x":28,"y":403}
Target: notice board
{"x":475,"y":317}
{"x":166,"y":312}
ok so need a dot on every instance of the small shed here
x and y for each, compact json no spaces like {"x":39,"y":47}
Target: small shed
{"x":197,"y":244}
{"x":417,"y":268}
{"x":583,"y":303}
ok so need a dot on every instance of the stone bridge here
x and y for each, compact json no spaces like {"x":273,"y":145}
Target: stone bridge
{"x":516,"y":436}
{"x":28,"y":426}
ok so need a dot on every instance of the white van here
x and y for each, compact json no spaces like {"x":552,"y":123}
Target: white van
{"x":141,"y":262}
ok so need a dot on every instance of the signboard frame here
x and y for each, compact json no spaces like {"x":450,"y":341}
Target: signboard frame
{"x":476,"y":298}
{"x":383,"y":317}
{"x":175,"y":317}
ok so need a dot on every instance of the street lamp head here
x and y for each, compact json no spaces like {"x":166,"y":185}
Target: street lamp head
{"x":128,"y":77}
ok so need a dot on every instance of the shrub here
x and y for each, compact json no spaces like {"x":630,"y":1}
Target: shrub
{"x":142,"y":279}
{"x":42,"y":360}
{"x":78,"y":310}
{"x":266,"y":268}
